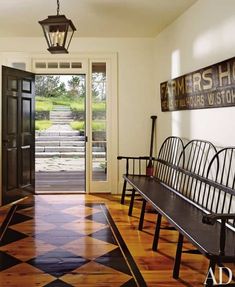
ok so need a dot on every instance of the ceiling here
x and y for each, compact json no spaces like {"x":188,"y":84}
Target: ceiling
{"x":92,"y":18}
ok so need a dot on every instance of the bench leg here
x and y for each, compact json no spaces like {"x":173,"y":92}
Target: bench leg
{"x":123,"y":192}
{"x":157,"y":232}
{"x":131,"y":203}
{"x":176,"y":270}
{"x":141,"y":222}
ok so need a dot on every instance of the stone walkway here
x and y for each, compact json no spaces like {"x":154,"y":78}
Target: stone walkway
{"x":58,"y":163}
{"x":60,"y":148}
{"x":59,"y":128}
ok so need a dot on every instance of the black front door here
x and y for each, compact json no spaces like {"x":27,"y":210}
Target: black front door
{"x":18,"y":134}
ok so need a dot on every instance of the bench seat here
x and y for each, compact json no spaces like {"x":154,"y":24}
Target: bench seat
{"x":185,"y":216}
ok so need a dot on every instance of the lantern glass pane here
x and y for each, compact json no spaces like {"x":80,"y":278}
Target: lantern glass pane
{"x":57,"y":34}
{"x":47,"y":35}
{"x":69,"y":37}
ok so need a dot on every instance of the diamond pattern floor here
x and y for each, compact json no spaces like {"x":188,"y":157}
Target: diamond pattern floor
{"x":64,"y":245}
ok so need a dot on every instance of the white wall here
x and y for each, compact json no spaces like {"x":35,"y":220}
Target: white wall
{"x":135,"y":82}
{"x":202,"y":36}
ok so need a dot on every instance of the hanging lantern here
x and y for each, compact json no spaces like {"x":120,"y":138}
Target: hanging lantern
{"x":58,"y":31}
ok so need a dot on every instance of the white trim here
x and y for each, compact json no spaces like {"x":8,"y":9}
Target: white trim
{"x":112,"y":132}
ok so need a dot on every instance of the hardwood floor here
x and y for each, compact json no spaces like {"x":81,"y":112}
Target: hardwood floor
{"x":155,"y":267}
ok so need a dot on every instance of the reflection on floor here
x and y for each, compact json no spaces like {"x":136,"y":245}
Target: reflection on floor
{"x":65,"y":244}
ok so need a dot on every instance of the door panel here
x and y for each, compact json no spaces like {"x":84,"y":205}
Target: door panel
{"x":12,"y":104}
{"x":26,"y":166}
{"x":18,"y":134}
{"x":12,"y":180}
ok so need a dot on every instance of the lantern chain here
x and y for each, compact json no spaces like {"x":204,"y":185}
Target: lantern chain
{"x":58,"y":7}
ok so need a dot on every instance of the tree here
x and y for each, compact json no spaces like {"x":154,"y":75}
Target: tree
{"x":49,"y":86}
{"x":77,"y":86}
{"x":99,"y":86}
{"x":74,"y":85}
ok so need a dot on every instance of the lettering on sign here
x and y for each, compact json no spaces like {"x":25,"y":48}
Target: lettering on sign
{"x":210,"y":87}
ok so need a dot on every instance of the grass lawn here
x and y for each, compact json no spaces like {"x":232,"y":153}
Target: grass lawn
{"x":96,"y":125}
{"x":42,"y":106}
{"x":96,"y":107}
{"x":78,"y":126}
{"x":46,"y":104}
{"x":61,"y":101}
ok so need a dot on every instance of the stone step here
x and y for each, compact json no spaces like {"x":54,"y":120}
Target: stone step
{"x":59,"y":121}
{"x":59,"y":149}
{"x":61,"y":118}
{"x":59,"y":138}
{"x":57,"y":133}
{"x":60,"y":113}
{"x":68,"y":154}
{"x":64,"y":122}
{"x":60,"y":143}
{"x":49,"y":148}
{"x":61,"y":108}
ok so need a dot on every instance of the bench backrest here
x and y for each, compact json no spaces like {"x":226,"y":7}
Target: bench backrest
{"x":169,"y":154}
{"x":207,"y":178}
{"x":221,"y":198}
{"x":194,"y":160}
{"x":197,"y":155}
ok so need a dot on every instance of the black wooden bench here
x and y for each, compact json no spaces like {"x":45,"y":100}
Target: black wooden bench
{"x":195,"y":157}
{"x":197,"y":201}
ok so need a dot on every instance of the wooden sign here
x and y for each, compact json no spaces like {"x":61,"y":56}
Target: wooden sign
{"x":210,"y":87}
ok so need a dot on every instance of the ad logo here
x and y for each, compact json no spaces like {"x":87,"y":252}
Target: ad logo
{"x":222,"y":280}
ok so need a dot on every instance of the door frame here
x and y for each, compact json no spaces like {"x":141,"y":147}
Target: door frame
{"x":30,"y":60}
{"x":85,"y":102}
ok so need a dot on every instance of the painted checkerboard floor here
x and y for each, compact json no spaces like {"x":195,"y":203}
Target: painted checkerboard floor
{"x":53,"y":244}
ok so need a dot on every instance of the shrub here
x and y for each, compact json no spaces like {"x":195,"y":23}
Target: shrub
{"x":45,"y":115}
{"x":99,"y":106}
{"x":77,"y":126}
{"x":42,"y":125}
{"x":80,"y":107}
{"x":61,"y":101}
{"x":42,"y":99}
{"x":96,"y":126}
{"x":77,"y":107}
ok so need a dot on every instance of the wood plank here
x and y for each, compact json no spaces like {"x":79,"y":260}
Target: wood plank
{"x":63,"y":181}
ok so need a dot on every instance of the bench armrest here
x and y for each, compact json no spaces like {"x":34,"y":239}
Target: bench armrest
{"x":212,"y":218}
{"x":134,"y":161}
{"x":135,"y":157}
